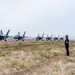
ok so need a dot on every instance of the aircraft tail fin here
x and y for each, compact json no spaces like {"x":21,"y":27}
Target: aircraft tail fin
{"x":7,"y":33}
{"x":43,"y":35}
{"x":24,"y":34}
{"x":47,"y":35}
{"x":51,"y":35}
{"x":38,"y":34}
{"x":1,"y":32}
{"x":18,"y":33}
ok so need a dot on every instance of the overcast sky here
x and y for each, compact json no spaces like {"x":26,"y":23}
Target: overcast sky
{"x":38,"y":16}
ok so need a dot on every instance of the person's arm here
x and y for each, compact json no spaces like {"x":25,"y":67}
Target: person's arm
{"x":67,"y":41}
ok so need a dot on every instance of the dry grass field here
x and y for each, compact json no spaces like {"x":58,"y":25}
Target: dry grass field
{"x":36,"y":58}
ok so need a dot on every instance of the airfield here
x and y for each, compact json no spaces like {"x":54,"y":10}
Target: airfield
{"x":31,"y":57}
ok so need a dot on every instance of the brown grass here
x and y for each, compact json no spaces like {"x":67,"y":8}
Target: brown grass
{"x":36,"y":58}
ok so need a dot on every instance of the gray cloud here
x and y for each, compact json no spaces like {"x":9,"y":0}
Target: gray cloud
{"x":34,"y":15}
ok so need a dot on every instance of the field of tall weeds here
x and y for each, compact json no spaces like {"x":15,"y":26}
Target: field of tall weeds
{"x":36,"y":58}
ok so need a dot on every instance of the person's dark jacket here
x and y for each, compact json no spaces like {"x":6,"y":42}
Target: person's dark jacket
{"x":67,"y":43}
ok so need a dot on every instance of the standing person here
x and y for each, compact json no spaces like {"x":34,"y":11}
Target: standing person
{"x":67,"y":45}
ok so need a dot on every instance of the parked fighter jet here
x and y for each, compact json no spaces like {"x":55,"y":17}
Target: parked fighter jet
{"x":39,"y":37}
{"x":56,"y":38}
{"x":61,"y":38}
{"x":49,"y":38}
{"x":19,"y":37}
{"x":4,"y":37}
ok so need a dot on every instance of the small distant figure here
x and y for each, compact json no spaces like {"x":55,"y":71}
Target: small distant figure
{"x":67,"y":45}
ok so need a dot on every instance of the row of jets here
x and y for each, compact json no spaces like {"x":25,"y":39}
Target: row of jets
{"x":19,"y":37}
{"x":49,"y":38}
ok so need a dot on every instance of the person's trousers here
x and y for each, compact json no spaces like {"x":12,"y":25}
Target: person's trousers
{"x":67,"y":50}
